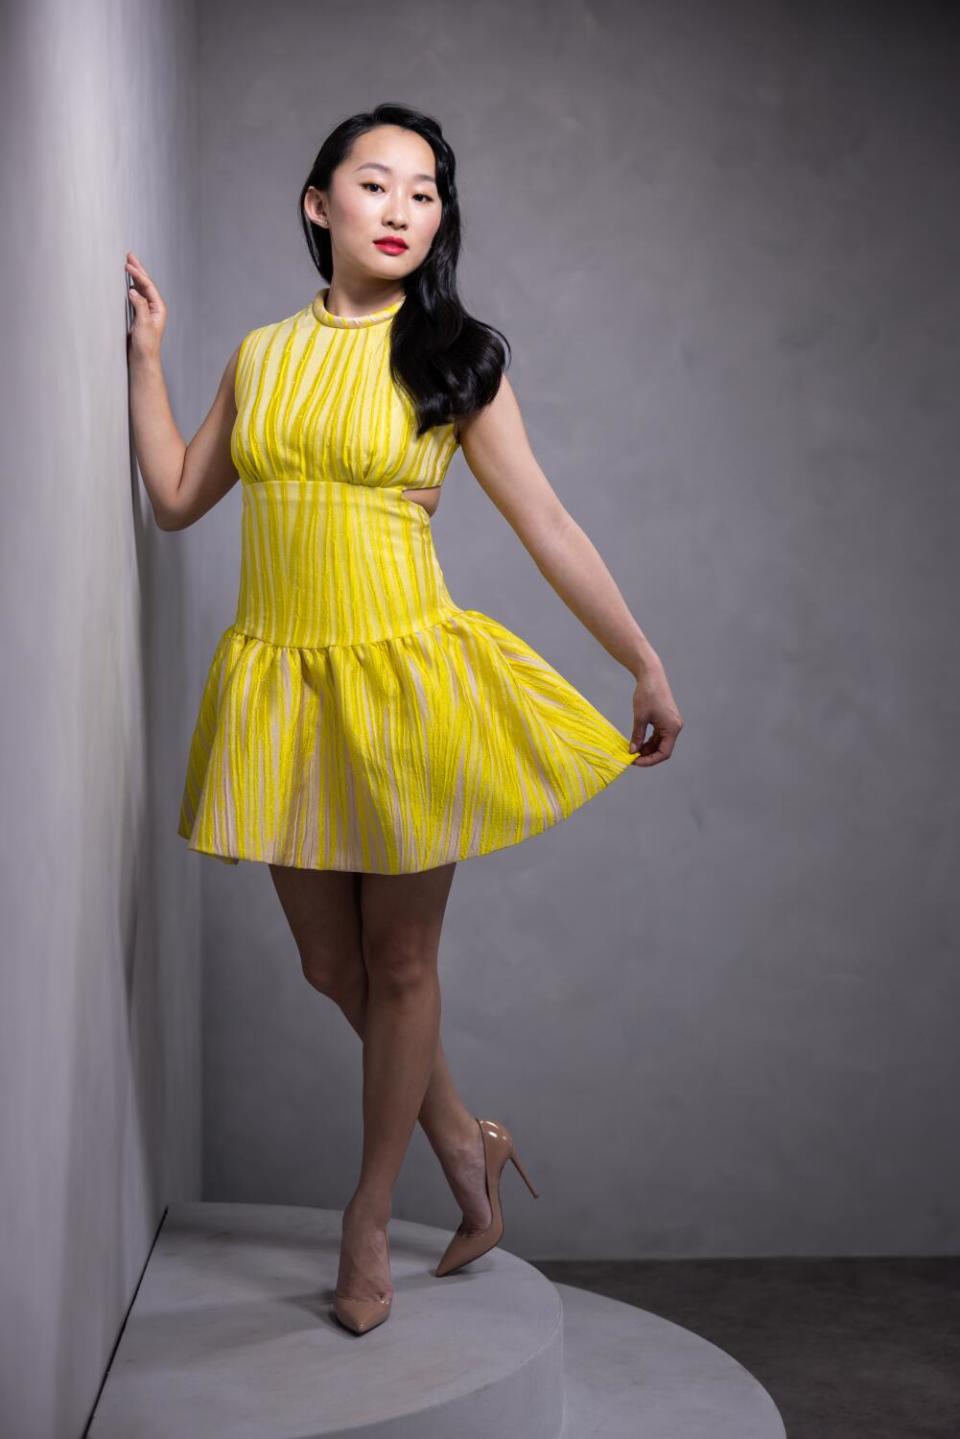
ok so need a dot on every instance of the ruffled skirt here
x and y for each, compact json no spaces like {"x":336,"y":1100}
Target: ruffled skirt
{"x":355,"y":718}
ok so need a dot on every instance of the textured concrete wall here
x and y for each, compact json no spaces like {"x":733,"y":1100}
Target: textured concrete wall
{"x":99,"y":980}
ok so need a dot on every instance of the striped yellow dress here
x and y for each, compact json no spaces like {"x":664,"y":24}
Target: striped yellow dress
{"x":354,"y":717}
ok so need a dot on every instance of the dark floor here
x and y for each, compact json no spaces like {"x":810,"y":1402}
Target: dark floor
{"x":844,"y":1347}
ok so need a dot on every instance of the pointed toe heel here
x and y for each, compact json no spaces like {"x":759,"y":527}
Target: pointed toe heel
{"x":359,"y":1315}
{"x":497,"y":1149}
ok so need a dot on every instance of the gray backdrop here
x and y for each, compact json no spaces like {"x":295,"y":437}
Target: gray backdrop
{"x":717,"y":1005}
{"x":714,"y":1006}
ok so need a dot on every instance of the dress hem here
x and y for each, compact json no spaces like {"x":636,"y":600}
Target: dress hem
{"x":475,"y":853}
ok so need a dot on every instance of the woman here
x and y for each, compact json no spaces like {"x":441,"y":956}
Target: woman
{"x":359,"y":731}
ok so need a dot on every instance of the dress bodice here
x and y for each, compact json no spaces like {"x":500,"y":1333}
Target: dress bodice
{"x":316,"y":401}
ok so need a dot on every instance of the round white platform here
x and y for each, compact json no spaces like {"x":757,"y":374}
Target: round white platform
{"x":231,"y":1334}
{"x":629,"y":1374}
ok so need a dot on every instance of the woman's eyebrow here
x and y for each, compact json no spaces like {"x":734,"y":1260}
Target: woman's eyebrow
{"x":375,"y":165}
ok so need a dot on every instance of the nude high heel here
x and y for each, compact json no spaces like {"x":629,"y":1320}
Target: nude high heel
{"x":497,"y":1149}
{"x":362,"y":1314}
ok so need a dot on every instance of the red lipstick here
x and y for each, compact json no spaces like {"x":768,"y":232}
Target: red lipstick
{"x":391,"y":246}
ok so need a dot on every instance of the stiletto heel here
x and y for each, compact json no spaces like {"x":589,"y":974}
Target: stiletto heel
{"x":523,"y":1173}
{"x":497,"y":1149}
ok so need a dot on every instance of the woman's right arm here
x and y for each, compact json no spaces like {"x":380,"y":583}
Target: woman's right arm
{"x":183,"y":480}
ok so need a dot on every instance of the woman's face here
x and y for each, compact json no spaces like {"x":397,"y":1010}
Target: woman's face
{"x":384,"y":190}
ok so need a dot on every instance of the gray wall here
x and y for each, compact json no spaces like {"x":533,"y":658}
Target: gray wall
{"x":717,"y":1005}
{"x":99,"y":984}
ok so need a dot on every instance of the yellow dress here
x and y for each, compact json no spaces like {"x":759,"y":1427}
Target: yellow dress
{"x":354,"y":717}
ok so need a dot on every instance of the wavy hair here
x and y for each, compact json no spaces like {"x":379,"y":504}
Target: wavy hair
{"x":449,"y":363}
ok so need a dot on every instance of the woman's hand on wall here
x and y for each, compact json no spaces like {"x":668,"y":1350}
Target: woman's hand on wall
{"x":149,"y":313}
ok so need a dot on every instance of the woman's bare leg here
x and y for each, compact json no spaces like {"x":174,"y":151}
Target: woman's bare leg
{"x":348,"y":926}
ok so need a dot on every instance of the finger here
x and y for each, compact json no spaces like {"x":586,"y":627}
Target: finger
{"x":140,"y":306}
{"x":646,"y":760}
{"x":665,"y":747}
{"x":141,"y":278}
{"x":650,"y":747}
{"x":657,"y":740}
{"x":636,"y":737}
{"x":658,"y":748}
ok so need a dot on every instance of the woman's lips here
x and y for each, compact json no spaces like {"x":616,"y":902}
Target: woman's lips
{"x":391,"y":247}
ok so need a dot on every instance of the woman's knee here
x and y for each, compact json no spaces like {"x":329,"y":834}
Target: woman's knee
{"x":322,"y":909}
{"x":401,"y":961}
{"x":336,"y":972}
{"x":401,"y":920}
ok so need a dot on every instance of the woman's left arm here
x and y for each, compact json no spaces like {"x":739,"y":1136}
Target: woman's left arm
{"x":496,"y":447}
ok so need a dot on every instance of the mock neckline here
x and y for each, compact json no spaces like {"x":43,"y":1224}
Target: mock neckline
{"x":350,"y":322}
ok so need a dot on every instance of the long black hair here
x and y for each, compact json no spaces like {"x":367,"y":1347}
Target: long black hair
{"x":449,"y":363}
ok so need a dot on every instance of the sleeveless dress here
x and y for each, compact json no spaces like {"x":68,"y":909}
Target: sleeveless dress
{"x":354,"y":717}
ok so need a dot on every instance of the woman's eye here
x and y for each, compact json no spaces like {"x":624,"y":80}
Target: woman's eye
{"x":421,"y":194}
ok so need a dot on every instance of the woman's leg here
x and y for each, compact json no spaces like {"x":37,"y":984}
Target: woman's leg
{"x":323,"y":910}
{"x":401,"y":919}
{"x":336,"y":946}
